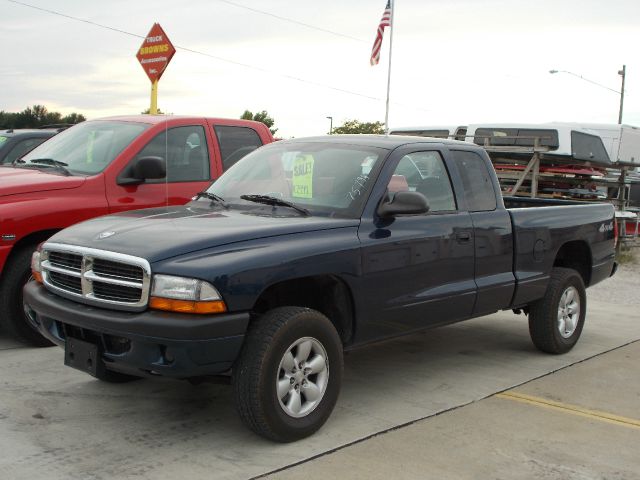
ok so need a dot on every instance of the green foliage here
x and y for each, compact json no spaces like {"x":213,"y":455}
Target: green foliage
{"x":262,"y":116}
{"x":625,"y":255}
{"x":37,"y":116}
{"x":147,"y":110}
{"x":356,"y":126}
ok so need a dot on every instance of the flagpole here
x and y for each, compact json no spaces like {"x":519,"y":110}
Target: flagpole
{"x":386,"y":114}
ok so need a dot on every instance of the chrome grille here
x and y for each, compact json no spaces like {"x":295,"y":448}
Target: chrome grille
{"x":96,"y":277}
{"x":116,"y":292}
{"x":108,"y":268}
{"x":68,"y":282}
{"x":66,"y":260}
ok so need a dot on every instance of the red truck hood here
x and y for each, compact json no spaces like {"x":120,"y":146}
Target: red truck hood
{"x":22,"y":180}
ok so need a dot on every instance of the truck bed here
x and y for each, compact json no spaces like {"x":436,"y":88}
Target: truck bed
{"x":545,"y":229}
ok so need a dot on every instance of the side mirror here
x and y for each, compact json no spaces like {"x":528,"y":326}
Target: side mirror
{"x":404,"y":203}
{"x":142,"y":169}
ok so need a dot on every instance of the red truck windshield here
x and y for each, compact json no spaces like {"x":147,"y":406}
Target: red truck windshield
{"x":87,"y":148}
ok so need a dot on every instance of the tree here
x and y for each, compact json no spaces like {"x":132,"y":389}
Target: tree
{"x":147,"y":110}
{"x":262,"y":117}
{"x":356,"y":126}
{"x":37,"y":116}
{"x":73,"y":118}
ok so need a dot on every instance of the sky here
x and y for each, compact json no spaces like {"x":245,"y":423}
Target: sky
{"x":454,"y":62}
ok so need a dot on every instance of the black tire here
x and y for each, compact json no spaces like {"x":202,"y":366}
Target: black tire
{"x":258,"y":369}
{"x":14,"y":320}
{"x":551,"y":330}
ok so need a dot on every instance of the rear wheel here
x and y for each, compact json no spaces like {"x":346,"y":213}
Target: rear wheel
{"x":556,"y":320}
{"x":288,"y":375}
{"x":15,"y":318}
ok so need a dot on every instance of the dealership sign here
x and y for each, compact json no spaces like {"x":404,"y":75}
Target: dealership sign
{"x":155,"y":53}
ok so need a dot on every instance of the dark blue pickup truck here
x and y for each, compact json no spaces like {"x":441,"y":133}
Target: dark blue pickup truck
{"x":306,"y":248}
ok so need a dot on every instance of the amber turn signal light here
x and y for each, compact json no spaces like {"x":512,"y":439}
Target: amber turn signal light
{"x":187,"y":306}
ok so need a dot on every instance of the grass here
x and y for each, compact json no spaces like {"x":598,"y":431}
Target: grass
{"x":627,"y":255}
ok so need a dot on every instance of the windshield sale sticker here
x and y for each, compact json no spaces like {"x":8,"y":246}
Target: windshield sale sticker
{"x":302,"y":180}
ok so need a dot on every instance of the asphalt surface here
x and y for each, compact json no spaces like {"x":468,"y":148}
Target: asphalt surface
{"x":472,"y":400}
{"x":581,"y":422}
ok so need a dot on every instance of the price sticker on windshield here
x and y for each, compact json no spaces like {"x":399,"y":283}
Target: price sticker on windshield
{"x":302,"y":180}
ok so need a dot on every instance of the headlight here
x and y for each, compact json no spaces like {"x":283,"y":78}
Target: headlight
{"x":185,"y":295}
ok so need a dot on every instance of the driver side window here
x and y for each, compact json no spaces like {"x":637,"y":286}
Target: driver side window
{"x":185,"y":152}
{"x":425,"y":173}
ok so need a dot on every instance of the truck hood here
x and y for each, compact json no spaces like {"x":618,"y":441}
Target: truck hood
{"x":14,"y":181}
{"x":160,"y":233}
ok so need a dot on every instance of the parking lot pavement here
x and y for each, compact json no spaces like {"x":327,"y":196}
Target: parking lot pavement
{"x":582,"y":422}
{"x":56,"y":423}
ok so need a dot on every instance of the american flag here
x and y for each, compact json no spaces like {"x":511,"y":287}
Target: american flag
{"x":385,"y":21}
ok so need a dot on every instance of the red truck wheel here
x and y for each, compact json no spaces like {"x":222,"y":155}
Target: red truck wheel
{"x":556,"y":320}
{"x":14,"y":319}
{"x":288,"y":376}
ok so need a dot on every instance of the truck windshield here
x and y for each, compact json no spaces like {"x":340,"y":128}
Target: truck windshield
{"x":87,"y":148}
{"x":327,"y":179}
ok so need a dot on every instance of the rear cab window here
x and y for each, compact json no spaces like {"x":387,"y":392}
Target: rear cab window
{"x":235,"y":143}
{"x":476,"y":181}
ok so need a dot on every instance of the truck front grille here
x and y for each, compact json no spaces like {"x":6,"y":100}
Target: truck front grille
{"x":68,"y":282}
{"x":66,"y":260}
{"x":116,"y":293}
{"x":96,"y":277}
{"x":107,"y":268}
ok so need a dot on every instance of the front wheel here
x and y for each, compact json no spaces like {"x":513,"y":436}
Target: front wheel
{"x":556,"y":320}
{"x":288,"y":375}
{"x":14,"y":315}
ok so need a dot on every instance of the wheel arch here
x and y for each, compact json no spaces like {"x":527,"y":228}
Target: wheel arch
{"x":34,"y":238}
{"x":328,"y":294}
{"x":576,"y":255}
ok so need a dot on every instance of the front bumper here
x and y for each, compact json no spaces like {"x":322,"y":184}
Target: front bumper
{"x":145,"y":343}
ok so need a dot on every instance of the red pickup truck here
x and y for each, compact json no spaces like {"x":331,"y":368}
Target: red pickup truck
{"x":106,"y":166}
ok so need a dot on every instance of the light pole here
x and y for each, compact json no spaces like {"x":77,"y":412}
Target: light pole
{"x":622,"y":73}
{"x":330,"y":125}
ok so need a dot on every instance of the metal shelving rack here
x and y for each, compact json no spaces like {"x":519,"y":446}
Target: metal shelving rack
{"x":616,"y":178}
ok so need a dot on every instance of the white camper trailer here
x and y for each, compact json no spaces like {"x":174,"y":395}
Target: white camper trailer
{"x":621,"y":141}
{"x":601,"y":144}
{"x":453,"y":132}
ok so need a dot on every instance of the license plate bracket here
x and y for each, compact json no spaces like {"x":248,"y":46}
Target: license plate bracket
{"x":84,"y":356}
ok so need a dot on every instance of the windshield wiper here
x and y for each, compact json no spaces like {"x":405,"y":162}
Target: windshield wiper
{"x":213,"y":197}
{"x":47,"y":162}
{"x":269,"y":200}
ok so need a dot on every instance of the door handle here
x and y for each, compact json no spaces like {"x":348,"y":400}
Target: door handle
{"x":463,"y":237}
